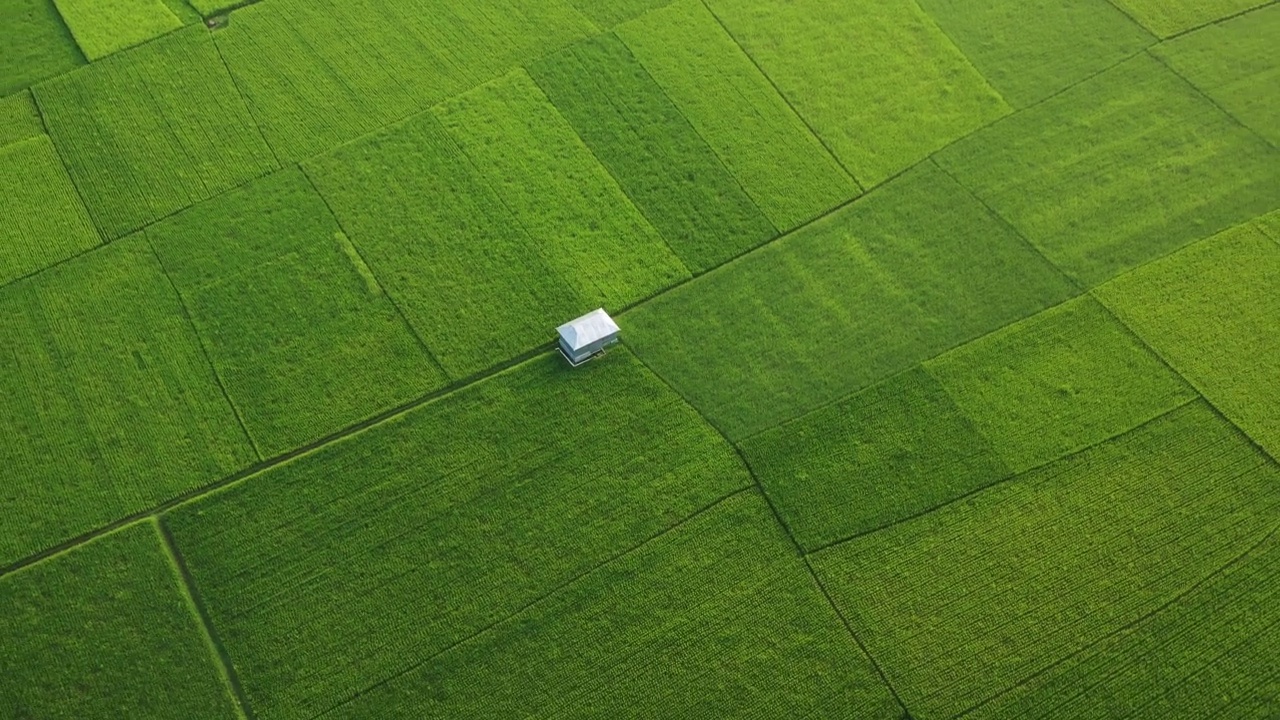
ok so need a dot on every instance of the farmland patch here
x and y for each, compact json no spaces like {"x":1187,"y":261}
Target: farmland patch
{"x":1269,"y":224}
{"x":19,"y":118}
{"x":962,"y":604}
{"x":1170,"y":17}
{"x":34,"y":44}
{"x":105,"y":27}
{"x":44,"y":221}
{"x":662,"y":163}
{"x":897,"y":277}
{"x":608,"y":13}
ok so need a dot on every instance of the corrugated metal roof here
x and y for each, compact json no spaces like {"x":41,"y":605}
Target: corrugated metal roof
{"x":587,"y":329}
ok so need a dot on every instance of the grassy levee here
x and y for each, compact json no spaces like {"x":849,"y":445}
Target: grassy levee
{"x":1118,"y":170}
{"x":608,"y":13}
{"x":984,"y":595}
{"x":103,"y":27}
{"x":19,"y":118}
{"x":346,"y":567}
{"x":103,"y":631}
{"x":44,"y":221}
{"x":1031,"y":49}
{"x":108,"y":403}
{"x":1204,"y":310}
{"x":659,"y":159}
{"x":717,"y":618}
{"x":148,"y":132}
{"x":902,"y":274}
{"x":34,"y":44}
{"x":303,"y":338}
{"x":780,"y":164}
{"x":883,"y":102}
{"x":1171,"y":17}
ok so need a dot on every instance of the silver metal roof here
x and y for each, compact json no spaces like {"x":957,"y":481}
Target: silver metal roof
{"x":587,"y":329}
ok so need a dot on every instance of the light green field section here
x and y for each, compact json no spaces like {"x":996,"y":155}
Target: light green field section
{"x":103,"y":27}
{"x":107,"y":631}
{"x":764,"y":144}
{"x":152,"y":131}
{"x":659,"y":159}
{"x":19,"y":118}
{"x":608,"y":13}
{"x":717,"y":618}
{"x":963,"y":604}
{"x":883,"y":102}
{"x":1171,"y":17}
{"x":447,"y":520}
{"x":1119,"y":170}
{"x":44,"y":221}
{"x":876,"y":458}
{"x":1058,"y":382}
{"x":1269,"y":224}
{"x":109,"y":405}
{"x":469,"y":279}
{"x":300,"y":333}
{"x":1031,"y":49}
{"x":574,"y":211}
{"x":318,"y":73}
{"x":1205,"y":310}
{"x":34,"y":44}
{"x":899,"y":276}
{"x":1236,"y":64}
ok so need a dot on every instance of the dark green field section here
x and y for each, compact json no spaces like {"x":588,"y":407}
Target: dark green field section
{"x":34,"y":44}
{"x":152,"y":131}
{"x":993,"y":592}
{"x":44,"y":220}
{"x":1119,"y":170}
{"x":106,"y":631}
{"x":1201,"y":310}
{"x":902,"y":274}
{"x":1172,"y":17}
{"x":103,"y":28}
{"x":19,"y":118}
{"x":1031,"y":49}
{"x":658,"y":157}
{"x":735,"y":109}
{"x":1235,"y":63}
{"x":883,"y":102}
{"x":109,"y":404}
{"x":881,"y":456}
{"x":576,"y":215}
{"x":296,"y":326}
{"x":1058,"y":382}
{"x":319,"y":73}
{"x":444,"y":522}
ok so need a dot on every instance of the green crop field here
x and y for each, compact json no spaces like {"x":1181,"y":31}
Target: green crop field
{"x":947,"y":385}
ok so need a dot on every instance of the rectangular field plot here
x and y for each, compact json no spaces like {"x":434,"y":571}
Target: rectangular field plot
{"x":1058,"y":382}
{"x":108,"y":403}
{"x":19,"y":118}
{"x":1211,"y":310}
{"x":662,"y":163}
{"x":298,"y":329}
{"x":34,"y":44}
{"x":783,"y":168}
{"x":960,"y":605}
{"x":102,"y":27}
{"x":883,"y":102}
{"x":446,"y":520}
{"x":899,"y":276}
{"x":1170,"y":17}
{"x":875,"y":458}
{"x":1119,"y":170}
{"x":1031,"y":49}
{"x":151,"y":131}
{"x":106,"y":631}
{"x":581,"y":221}
{"x":717,"y":618}
{"x":42,"y":220}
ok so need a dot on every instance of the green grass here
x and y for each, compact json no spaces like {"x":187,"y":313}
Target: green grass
{"x":34,"y":44}
{"x":152,"y":131}
{"x":106,"y":631}
{"x":574,"y":211}
{"x":1119,"y":170}
{"x":1201,"y":310}
{"x":1234,"y":62}
{"x":716,"y":618}
{"x":446,"y":520}
{"x":1170,"y":17}
{"x":304,"y":342}
{"x":963,"y":604}
{"x":44,"y":220}
{"x":899,"y":276}
{"x":1058,"y":382}
{"x":103,"y":27}
{"x":876,"y":458}
{"x":882,"y":102}
{"x":608,"y":13}
{"x":662,"y":163}
{"x":19,"y":118}
{"x":1031,"y":49}
{"x":764,"y":144}
{"x":109,"y":405}
{"x":1269,"y":224}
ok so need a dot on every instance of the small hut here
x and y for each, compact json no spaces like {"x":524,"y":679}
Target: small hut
{"x":587,"y":336}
